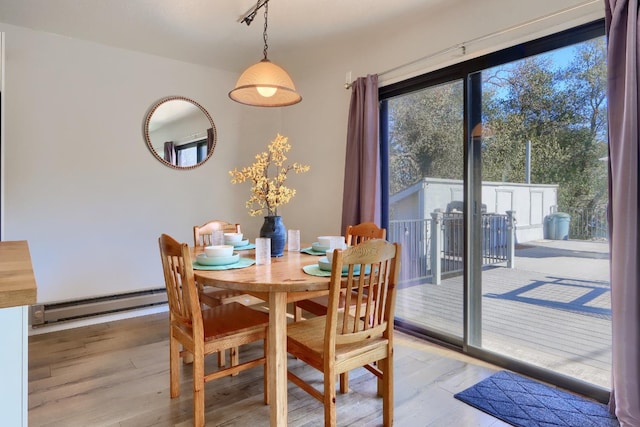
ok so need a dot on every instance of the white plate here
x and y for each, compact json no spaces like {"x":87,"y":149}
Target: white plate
{"x":203,"y":259}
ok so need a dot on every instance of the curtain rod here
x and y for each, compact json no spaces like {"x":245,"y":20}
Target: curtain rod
{"x":190,"y":138}
{"x":463,"y":46}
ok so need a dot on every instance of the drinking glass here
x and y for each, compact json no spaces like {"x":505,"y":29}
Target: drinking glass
{"x":263,"y":251}
{"x":337,"y":242}
{"x":293,"y":240}
{"x":217,"y":237}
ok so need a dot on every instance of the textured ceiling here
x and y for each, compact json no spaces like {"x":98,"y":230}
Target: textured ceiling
{"x":207,"y":32}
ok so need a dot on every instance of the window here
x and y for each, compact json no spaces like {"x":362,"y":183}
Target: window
{"x":497,"y":187}
{"x":191,"y":153}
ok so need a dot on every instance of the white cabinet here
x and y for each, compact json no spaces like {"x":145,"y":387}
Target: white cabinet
{"x":14,"y":366}
{"x":17,"y":291}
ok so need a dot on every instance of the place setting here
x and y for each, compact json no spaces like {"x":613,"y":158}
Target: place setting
{"x":324,"y":247}
{"x":225,"y":257}
{"x":238,"y":241}
{"x":324,"y":244}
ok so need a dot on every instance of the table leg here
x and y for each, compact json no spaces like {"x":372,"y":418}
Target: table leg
{"x":277,"y":358}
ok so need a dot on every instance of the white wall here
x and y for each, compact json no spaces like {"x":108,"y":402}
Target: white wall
{"x":81,"y":185}
{"x":91,"y":200}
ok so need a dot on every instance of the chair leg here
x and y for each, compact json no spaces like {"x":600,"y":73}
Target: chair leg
{"x":187,"y":358}
{"x":174,"y":367}
{"x":222,"y":361}
{"x":234,"y":355}
{"x":297,"y":313}
{"x":198,"y":390}
{"x":387,"y":389}
{"x":265,"y":375}
{"x":344,"y":382}
{"x":330,"y":398}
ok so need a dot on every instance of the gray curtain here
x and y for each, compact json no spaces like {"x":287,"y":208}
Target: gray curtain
{"x":361,"y":196}
{"x":209,"y":140}
{"x":622,"y":76}
{"x":170,"y":152}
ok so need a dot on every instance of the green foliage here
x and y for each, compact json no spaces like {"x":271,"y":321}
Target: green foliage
{"x":426,"y":135}
{"x":560,"y":110}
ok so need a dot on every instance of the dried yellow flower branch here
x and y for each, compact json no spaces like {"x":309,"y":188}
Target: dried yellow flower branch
{"x":268,"y":191}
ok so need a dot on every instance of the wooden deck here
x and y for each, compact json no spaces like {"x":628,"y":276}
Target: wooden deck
{"x":551,"y":310}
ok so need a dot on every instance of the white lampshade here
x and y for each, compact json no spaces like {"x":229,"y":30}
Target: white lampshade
{"x":265,"y":85}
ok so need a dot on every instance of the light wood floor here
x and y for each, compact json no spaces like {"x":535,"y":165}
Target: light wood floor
{"x":116,"y":374}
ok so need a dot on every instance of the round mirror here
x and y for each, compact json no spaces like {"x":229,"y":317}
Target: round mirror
{"x":180,"y":132}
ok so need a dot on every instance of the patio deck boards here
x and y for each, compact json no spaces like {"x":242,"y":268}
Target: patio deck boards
{"x":552,"y":309}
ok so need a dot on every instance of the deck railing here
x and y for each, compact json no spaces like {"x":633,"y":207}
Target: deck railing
{"x":433,"y":247}
{"x":415,"y":237}
{"x":588,"y":223}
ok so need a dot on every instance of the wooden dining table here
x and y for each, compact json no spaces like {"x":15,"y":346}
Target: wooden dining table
{"x":281,"y":282}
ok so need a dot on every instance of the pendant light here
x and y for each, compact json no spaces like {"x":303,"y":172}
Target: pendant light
{"x":264,"y":84}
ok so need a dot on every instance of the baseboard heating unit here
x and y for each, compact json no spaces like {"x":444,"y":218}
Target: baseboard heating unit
{"x":46,"y":314}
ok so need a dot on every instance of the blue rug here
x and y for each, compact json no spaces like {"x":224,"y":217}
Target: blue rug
{"x":522,"y":402}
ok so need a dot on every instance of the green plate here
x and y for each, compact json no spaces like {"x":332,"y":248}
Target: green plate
{"x":317,"y":247}
{"x":324,"y":264}
{"x":245,"y":247}
{"x":310,"y":251}
{"x":242,"y":263}
{"x":203,"y":259}
{"x":241,"y":244}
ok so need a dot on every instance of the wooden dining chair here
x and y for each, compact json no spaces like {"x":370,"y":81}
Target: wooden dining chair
{"x":203,"y":332}
{"x":343,"y":340}
{"x":211,"y":296}
{"x":362,"y":232}
{"x":202,"y":233}
{"x":202,"y":237}
{"x":354,"y":235}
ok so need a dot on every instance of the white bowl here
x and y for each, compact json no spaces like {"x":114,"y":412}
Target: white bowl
{"x":325,"y":240}
{"x":332,"y":242}
{"x":218,"y":251}
{"x":203,"y":259}
{"x":232,"y":238}
{"x":329,"y":253}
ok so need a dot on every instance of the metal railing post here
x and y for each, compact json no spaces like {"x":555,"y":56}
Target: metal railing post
{"x":511,"y":239}
{"x":436,"y":246}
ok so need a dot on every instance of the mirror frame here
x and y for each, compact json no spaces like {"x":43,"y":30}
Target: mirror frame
{"x":147,"y":137}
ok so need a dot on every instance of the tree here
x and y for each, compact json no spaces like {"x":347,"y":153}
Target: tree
{"x":560,"y":110}
{"x":530,"y":109}
{"x":425,"y":136}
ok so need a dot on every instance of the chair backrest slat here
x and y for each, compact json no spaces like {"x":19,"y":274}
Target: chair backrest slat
{"x":182,"y":295}
{"x":362,"y":232}
{"x":369,"y":290}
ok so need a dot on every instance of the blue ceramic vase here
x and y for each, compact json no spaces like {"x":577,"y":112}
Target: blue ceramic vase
{"x":273,"y":228}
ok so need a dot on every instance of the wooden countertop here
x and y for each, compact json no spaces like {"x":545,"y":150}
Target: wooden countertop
{"x":17,"y":281}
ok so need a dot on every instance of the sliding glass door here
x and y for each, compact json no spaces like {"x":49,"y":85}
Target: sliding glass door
{"x":425,"y":140}
{"x":497,"y":188}
{"x":544,"y":176}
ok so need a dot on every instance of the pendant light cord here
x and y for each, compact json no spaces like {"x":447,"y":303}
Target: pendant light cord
{"x":264,"y":34}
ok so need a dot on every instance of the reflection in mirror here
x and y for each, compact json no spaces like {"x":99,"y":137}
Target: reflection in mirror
{"x":180,"y":132}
